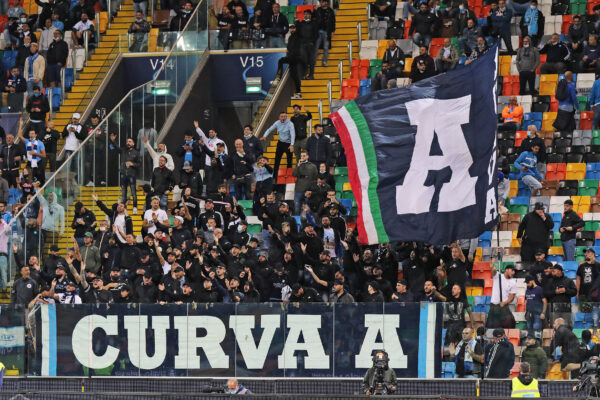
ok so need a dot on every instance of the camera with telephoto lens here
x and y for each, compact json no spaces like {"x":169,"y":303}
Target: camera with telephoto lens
{"x":380,"y":364}
{"x":589,"y":377}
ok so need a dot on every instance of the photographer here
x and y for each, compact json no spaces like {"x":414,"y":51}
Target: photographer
{"x":379,"y":379}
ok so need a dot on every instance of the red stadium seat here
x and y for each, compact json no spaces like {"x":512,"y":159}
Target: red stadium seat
{"x":407,"y":28}
{"x":567,"y":20}
{"x":553,"y":104}
{"x":519,"y":137}
{"x":586,"y":120}
{"x":350,"y":89}
{"x":300,"y":11}
{"x":510,"y":85}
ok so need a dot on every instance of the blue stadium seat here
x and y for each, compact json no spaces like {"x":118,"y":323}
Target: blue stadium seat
{"x":347,"y":203}
{"x":9,"y":59}
{"x":485,"y":239}
{"x":14,"y":195}
{"x":570,"y":265}
{"x":555,"y":258}
{"x":365,"y":87}
{"x":298,"y":221}
{"x":519,"y":200}
{"x":482,"y":22}
{"x":571,"y":274}
{"x":68,"y":78}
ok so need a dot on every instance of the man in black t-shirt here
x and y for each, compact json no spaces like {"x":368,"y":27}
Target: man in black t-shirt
{"x":586,"y":275}
{"x":456,"y":269}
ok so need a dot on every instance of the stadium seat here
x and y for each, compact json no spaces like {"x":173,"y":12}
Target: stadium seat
{"x":575,"y":171}
{"x":350,"y":89}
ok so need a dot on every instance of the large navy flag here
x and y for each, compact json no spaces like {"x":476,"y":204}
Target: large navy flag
{"x":422,"y":158}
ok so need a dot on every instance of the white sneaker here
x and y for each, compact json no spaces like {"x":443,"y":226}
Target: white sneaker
{"x":297,"y":96}
{"x":90,"y":183}
{"x":134,"y":210}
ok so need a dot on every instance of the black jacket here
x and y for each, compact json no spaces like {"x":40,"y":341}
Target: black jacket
{"x":422,"y":23}
{"x":309,"y":295}
{"x":294,"y":47}
{"x":197,"y":156}
{"x":8,"y":154}
{"x":40,"y":102}
{"x":277,"y":26}
{"x":162,"y":180}
{"x":564,"y":298}
{"x":133,"y":156}
{"x":112,"y":214}
{"x":192,"y":180}
{"x":325,"y":20}
{"x":556,"y":53}
{"x":307,"y":31}
{"x":319,"y":149}
{"x":534,"y":230}
{"x":50,"y":139}
{"x":566,"y":340}
{"x":57,"y":53}
{"x":500,"y":358}
{"x":299,"y":122}
{"x":88,"y":218}
{"x":240,"y":169}
{"x":146,"y":293}
{"x":528,"y":143}
{"x":570,"y":218}
{"x":254,"y":147}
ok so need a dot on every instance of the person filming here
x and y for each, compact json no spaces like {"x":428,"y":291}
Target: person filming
{"x":380,"y":378}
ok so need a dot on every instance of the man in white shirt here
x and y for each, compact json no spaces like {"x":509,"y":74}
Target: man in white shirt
{"x":504,"y":290}
{"x":72,"y":134}
{"x":210,"y":141}
{"x":85,"y":25}
{"x":155,"y":214}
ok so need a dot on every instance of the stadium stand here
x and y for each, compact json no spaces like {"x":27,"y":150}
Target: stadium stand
{"x":221,"y":229}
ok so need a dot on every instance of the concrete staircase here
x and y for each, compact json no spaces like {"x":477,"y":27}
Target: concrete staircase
{"x":348,"y":15}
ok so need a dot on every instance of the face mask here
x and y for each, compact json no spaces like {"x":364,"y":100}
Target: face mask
{"x":529,"y":134}
{"x":26,"y":44}
{"x":525,"y":46}
{"x":240,"y":154}
{"x":247,"y":136}
{"x":23,"y":20}
{"x":481,"y":46}
{"x":533,"y":7}
{"x":186,"y":11}
{"x":587,"y":259}
{"x":210,"y":228}
{"x":239,"y":229}
{"x":461,"y":7}
{"x":56,"y":39}
{"x":138,"y":20}
{"x":102,"y":228}
{"x":232,"y":391}
{"x":437,"y":8}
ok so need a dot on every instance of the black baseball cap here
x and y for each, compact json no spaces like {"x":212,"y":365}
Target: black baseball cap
{"x":591,"y":250}
{"x":147,"y":275}
{"x":296,"y":288}
{"x":178,"y":269}
{"x":338,"y":282}
{"x":539,"y":252}
{"x":54,"y":248}
{"x":498,"y":332}
{"x":538,"y":206}
{"x":558,"y":267}
{"x":510,"y":266}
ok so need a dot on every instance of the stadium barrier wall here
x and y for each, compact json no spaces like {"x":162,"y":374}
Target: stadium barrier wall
{"x":242,"y":340}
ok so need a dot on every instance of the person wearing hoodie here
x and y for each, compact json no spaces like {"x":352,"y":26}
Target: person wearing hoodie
{"x":527,"y":164}
{"x":524,"y":385}
{"x":161,"y":151}
{"x":53,"y":221}
{"x":499,"y":356}
{"x":528,"y":59}
{"x":536,"y":357}
{"x":533,"y":232}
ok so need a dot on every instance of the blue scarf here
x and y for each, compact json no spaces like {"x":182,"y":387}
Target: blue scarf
{"x":32,"y":59}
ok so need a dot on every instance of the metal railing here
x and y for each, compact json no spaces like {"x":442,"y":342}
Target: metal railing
{"x":320,"y":107}
{"x":73,"y":162}
{"x":271,"y":103}
{"x":329,"y":94}
{"x":341,"y":73}
{"x":359,"y":30}
{"x":350,"y":52}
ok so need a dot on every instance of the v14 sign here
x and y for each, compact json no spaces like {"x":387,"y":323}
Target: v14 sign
{"x":304,"y":340}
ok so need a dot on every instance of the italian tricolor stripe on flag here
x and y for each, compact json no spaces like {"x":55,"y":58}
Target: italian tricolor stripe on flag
{"x":362,"y":171}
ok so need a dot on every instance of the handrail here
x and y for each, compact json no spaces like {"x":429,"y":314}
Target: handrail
{"x":320,"y":105}
{"x":350,"y":52}
{"x":62,"y":85}
{"x":368,"y":11}
{"x":93,"y":133}
{"x":329,"y":94}
{"x":267,"y":112}
{"x":359,"y":30}
{"x":341,"y":73}
{"x":86,"y":42}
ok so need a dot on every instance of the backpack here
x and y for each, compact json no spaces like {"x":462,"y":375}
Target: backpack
{"x":561,"y":90}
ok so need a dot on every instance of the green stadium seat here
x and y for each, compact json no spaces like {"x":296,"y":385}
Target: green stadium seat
{"x":518,"y":208}
{"x":253,"y":229}
{"x":596,"y":137}
{"x":341,"y":170}
{"x":374,"y":68}
{"x":246,"y":204}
